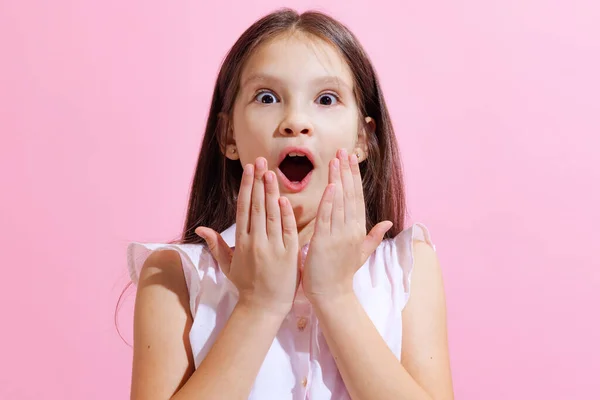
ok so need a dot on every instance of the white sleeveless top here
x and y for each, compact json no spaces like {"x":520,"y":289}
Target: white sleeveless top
{"x":298,"y":365}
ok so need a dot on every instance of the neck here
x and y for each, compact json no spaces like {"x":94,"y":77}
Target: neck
{"x":305,"y":232}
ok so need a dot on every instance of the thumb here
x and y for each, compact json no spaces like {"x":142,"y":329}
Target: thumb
{"x":374,"y":238}
{"x":217,"y":246}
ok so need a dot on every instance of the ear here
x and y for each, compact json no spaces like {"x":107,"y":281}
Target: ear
{"x":367,"y":129}
{"x":231,"y":152}
{"x":229,"y":149}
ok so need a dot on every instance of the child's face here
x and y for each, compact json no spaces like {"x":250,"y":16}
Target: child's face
{"x":296,"y":94}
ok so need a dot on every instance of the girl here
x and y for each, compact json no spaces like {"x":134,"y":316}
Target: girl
{"x":283,"y":294}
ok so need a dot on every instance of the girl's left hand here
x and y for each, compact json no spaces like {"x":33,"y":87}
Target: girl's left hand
{"x":339,"y":246}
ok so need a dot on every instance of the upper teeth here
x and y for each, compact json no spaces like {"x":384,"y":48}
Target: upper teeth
{"x":293,"y":154}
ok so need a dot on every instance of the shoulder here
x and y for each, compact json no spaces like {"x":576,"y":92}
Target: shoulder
{"x":426,"y":281}
{"x":167,"y":256}
{"x":426,"y":262}
{"x":166,"y":262}
{"x":161,"y":276}
{"x":427,"y":286}
{"x":424,"y":330}
{"x":409,"y":250}
{"x":189,"y":263}
{"x":421,"y":256}
{"x":162,"y":317}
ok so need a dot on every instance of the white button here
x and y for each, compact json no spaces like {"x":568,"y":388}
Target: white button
{"x":301,"y":323}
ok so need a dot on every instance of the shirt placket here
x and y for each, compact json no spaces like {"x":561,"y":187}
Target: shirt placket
{"x":304,"y":330}
{"x":303,"y":327}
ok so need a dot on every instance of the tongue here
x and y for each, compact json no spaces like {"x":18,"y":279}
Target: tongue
{"x":295,"y":168}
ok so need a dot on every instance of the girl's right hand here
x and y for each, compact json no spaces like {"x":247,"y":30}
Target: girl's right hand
{"x":263,"y":265}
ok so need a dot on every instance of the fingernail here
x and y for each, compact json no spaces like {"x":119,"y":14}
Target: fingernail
{"x":248,"y":169}
{"x":269,"y":176}
{"x":353,"y":159}
{"x":336,"y":163}
{"x":344,"y":154}
{"x":260,"y":163}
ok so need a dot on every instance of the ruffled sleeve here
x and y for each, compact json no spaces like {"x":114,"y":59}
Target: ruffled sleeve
{"x":403,"y":244}
{"x":137,"y":253}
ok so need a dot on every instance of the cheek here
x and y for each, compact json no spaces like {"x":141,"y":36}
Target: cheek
{"x":339,"y":134}
{"x":253,"y":133}
{"x":257,"y":122}
{"x":341,"y":122}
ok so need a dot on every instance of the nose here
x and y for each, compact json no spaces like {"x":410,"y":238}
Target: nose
{"x":295,"y":124}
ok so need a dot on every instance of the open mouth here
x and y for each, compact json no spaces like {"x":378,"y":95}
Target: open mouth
{"x":295,"y":170}
{"x":295,"y":167}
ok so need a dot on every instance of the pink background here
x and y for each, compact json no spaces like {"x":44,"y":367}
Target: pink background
{"x":102,"y":107}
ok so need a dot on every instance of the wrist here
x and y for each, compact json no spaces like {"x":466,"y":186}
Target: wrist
{"x":262,"y":310}
{"x":332,"y":302}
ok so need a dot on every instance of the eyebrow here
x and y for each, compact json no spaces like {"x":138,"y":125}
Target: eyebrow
{"x":322,"y":80}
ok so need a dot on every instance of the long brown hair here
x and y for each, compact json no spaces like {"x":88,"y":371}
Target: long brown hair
{"x":213,"y":195}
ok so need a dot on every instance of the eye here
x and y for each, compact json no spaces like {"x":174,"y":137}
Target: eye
{"x":266,"y":97}
{"x":328,"y":99}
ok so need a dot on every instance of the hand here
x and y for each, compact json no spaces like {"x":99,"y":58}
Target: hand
{"x":339,"y":246}
{"x":264,"y":264}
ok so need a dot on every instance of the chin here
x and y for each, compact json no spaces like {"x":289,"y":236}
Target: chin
{"x":305,"y":205}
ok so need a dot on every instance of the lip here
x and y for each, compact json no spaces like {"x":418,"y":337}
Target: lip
{"x":295,"y":149}
{"x":294,"y":187}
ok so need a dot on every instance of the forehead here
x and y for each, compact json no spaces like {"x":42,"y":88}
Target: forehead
{"x":299,"y":58}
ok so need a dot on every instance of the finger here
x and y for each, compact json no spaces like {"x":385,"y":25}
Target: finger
{"x":217,"y":246}
{"x":359,"y":198}
{"x":273,"y":212}
{"x":323,"y":224}
{"x":288,"y":221}
{"x":242,"y":219}
{"x":337,"y":215}
{"x":374,"y":238}
{"x":347,"y":187}
{"x":257,"y":210}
